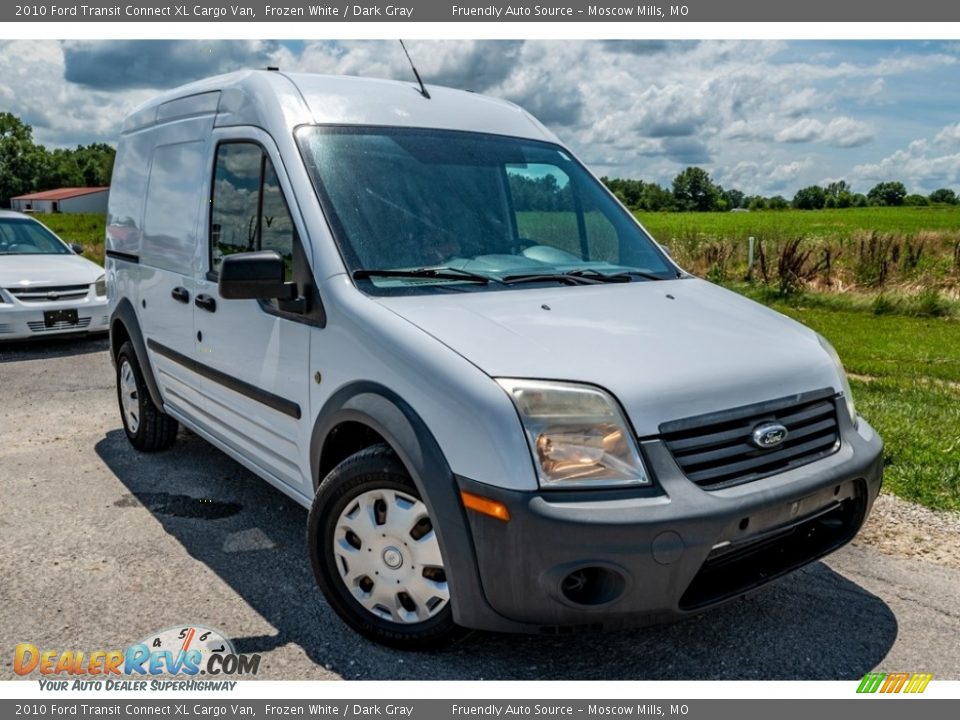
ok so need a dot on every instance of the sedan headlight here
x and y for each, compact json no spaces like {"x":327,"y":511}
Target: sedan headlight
{"x":844,"y":382}
{"x":577,"y":434}
{"x":101,"y":286}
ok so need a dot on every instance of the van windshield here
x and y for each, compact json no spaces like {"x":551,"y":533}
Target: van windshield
{"x":416,"y":209}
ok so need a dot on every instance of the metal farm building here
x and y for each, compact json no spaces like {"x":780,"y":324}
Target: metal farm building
{"x":63,"y":200}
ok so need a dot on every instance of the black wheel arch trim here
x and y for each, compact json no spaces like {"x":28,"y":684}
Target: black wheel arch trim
{"x":125,"y":315}
{"x":390,"y":416}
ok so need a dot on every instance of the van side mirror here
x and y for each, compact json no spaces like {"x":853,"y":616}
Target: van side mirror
{"x":255,"y":276}
{"x":77,"y":249}
{"x":666,"y":249}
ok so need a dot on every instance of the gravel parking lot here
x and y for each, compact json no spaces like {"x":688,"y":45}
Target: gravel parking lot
{"x":100,"y":546}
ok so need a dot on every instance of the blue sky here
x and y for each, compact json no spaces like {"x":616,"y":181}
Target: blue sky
{"x":763,"y":116}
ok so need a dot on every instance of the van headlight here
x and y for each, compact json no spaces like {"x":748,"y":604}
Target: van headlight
{"x":577,"y":434}
{"x":101,"y":286}
{"x":844,"y":382}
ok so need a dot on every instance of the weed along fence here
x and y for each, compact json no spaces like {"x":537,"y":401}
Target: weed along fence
{"x":876,"y":250}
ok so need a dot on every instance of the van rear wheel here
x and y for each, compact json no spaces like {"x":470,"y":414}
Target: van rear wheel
{"x":375,"y":553}
{"x":148,"y":428}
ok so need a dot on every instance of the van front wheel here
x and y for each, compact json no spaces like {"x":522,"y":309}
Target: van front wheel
{"x":147,"y":427}
{"x":375,"y":553}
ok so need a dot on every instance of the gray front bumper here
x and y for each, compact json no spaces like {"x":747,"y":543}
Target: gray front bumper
{"x":662,"y":553}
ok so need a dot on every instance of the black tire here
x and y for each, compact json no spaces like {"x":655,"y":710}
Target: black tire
{"x":372,"y":469}
{"x":154,"y":430}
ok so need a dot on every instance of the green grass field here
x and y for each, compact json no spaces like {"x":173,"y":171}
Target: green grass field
{"x":85,"y":230}
{"x":906,"y":369}
{"x":868,"y":248}
{"x":841,"y":225}
{"x":906,"y":382}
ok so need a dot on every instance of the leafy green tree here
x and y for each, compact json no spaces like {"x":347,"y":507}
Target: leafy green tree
{"x":735,"y":198}
{"x":813,"y":197}
{"x":694,"y":190}
{"x":20,"y":159}
{"x":628,"y":191}
{"x":656,"y":198}
{"x":915,"y":200}
{"x":778,"y":202}
{"x":60,"y":169}
{"x":859,"y":200}
{"x":95,"y":162}
{"x":835,"y":189}
{"x":28,"y":167}
{"x":539,"y":194}
{"x":887,"y":193}
{"x":944,"y":195}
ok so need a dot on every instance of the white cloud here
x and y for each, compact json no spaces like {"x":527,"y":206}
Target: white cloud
{"x":923,"y":165}
{"x":842,"y":132}
{"x":802,"y":131}
{"x":758,"y":115}
{"x":845,"y":132}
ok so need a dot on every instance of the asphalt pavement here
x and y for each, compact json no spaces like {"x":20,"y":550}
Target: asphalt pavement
{"x":101,"y":545}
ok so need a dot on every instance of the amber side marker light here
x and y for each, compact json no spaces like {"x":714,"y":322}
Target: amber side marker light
{"x":485,"y":506}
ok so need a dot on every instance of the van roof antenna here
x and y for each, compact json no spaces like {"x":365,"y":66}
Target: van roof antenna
{"x":423,"y":89}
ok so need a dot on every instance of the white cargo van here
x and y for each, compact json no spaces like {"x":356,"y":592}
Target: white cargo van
{"x":418,"y":315}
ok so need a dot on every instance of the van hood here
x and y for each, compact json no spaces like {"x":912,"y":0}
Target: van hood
{"x":665,"y":349}
{"x":17,"y":270}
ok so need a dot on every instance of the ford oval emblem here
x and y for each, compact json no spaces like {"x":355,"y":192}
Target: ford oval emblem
{"x":769,"y":435}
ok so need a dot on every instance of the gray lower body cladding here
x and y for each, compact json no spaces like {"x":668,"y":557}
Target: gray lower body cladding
{"x":603,"y":560}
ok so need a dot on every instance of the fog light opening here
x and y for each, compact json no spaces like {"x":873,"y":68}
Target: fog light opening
{"x":592,"y":586}
{"x":745,"y":523}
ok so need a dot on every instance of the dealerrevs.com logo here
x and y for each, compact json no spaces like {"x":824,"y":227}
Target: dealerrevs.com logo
{"x":185,"y":651}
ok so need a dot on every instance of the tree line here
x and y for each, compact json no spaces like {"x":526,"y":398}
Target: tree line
{"x":694,"y":190}
{"x":27,"y":167}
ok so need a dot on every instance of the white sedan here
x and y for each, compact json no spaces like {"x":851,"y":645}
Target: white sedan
{"x":46,"y":288}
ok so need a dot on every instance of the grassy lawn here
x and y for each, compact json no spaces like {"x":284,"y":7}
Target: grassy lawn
{"x":85,"y":230}
{"x":840,"y":225}
{"x":908,"y":388}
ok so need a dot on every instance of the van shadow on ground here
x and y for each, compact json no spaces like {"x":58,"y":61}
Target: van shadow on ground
{"x":815,"y":624}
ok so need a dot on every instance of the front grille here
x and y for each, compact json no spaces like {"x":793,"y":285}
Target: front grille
{"x":737,"y":569}
{"x":716,"y":450}
{"x":5,"y":329}
{"x":39,"y":326}
{"x":42,"y":293}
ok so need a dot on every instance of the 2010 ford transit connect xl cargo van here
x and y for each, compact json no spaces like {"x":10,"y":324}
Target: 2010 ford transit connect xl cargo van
{"x":426,"y":321}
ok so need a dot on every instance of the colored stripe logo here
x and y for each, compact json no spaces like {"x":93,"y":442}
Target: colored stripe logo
{"x":894,"y":682}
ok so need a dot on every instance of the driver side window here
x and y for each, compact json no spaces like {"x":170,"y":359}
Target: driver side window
{"x":248,"y":211}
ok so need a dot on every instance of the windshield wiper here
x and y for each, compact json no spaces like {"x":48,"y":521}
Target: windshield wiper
{"x":443,"y":273}
{"x":620,"y":276}
{"x":565,"y":278}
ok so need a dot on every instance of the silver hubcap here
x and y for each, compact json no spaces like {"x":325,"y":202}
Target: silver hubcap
{"x":389,"y":558}
{"x":129,"y":397}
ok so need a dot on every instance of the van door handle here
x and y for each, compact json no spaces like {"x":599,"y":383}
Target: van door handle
{"x":180,"y":294}
{"x":206,"y":302}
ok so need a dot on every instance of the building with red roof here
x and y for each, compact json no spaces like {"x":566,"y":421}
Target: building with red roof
{"x":63,"y":200}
